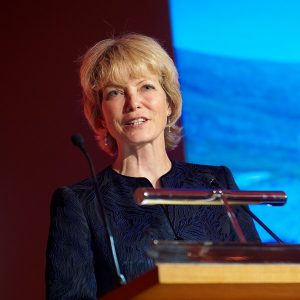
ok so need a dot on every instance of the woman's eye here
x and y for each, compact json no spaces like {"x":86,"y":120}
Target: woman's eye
{"x":113,"y":93}
{"x":149,"y":87}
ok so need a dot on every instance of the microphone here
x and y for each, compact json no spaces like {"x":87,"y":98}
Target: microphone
{"x":78,"y":141}
{"x":215,"y":184}
{"x":232,"y":217}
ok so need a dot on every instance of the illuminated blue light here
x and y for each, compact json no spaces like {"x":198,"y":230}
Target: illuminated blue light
{"x":239,"y":66}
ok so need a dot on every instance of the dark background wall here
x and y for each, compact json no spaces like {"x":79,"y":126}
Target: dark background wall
{"x":40,"y":108}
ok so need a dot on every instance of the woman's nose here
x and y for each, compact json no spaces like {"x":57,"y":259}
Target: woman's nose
{"x":133,"y":102}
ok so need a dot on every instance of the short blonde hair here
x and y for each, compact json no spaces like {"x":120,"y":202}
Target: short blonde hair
{"x":112,"y":60}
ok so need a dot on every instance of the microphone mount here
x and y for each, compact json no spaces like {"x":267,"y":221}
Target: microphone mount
{"x":150,"y":196}
{"x":78,"y":141}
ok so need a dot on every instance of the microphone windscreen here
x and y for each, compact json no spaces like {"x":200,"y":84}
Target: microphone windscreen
{"x":77,"y":140}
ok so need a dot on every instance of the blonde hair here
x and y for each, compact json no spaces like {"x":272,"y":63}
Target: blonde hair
{"x":112,"y":60}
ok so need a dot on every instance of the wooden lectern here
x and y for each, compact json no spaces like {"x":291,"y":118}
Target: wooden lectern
{"x":214,"y":281}
{"x":208,"y":271}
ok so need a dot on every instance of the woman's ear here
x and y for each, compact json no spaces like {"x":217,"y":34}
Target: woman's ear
{"x":103,"y":124}
{"x":169,"y":111}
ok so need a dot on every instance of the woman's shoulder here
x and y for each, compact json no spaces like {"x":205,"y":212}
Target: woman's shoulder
{"x":222,"y":175}
{"x":81,"y":191}
{"x":193,"y":167}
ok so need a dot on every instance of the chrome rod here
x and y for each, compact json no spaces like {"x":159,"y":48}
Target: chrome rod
{"x":150,"y":196}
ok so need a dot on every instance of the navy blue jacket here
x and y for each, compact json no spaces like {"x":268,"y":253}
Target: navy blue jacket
{"x":79,"y":262}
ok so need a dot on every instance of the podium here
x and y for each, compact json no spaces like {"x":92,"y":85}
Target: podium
{"x":173,"y":281}
{"x":209,"y":271}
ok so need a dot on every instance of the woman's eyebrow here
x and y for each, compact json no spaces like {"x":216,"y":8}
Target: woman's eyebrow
{"x":145,"y":80}
{"x":112,"y":86}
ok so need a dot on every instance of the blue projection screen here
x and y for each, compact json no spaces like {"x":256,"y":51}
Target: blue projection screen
{"x":239,"y":69}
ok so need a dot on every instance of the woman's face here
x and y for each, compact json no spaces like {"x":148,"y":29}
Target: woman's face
{"x":136,"y":112}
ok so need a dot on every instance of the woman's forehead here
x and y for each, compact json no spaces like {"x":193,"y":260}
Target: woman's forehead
{"x":122,"y":78}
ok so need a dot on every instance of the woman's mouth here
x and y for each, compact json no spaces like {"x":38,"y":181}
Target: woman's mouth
{"x":135,"y":122}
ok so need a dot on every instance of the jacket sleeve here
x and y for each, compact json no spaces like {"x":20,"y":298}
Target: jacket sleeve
{"x":69,"y":256}
{"x":245,"y":221}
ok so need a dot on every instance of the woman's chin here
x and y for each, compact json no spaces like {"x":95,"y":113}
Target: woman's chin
{"x":138,"y":142}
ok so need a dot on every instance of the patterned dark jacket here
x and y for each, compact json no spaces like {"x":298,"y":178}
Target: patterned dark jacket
{"x":79,"y":262}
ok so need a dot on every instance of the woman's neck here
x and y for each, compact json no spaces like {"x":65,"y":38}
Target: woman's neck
{"x":144,"y":162}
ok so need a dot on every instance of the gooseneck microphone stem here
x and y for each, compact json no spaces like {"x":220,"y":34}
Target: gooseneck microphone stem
{"x":232,"y":217}
{"x":78,"y":141}
{"x":262,"y":224}
{"x":214,"y":183}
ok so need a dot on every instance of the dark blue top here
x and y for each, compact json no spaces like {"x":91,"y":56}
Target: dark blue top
{"x":79,"y":262}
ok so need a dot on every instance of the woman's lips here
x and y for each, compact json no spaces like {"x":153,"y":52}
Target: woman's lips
{"x":136,"y":121}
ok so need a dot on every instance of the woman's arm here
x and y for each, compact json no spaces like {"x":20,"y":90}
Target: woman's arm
{"x":69,"y":257}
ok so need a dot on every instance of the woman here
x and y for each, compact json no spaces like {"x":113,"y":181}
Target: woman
{"x":132,"y":101}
